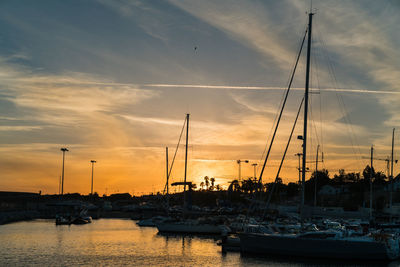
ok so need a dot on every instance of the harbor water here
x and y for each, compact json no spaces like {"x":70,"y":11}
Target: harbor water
{"x":118,"y":242}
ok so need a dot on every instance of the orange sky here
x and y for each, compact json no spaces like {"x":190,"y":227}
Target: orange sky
{"x":113,"y":81}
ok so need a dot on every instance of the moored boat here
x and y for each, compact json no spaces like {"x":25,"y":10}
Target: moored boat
{"x":322,"y":244}
{"x":152,"y":222}
{"x":62,"y":220}
{"x":192,"y":227}
{"x":80,"y":220}
{"x":328,"y":244}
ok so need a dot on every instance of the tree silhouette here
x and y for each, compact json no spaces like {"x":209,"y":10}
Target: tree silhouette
{"x":340,"y":178}
{"x":367,"y":173}
{"x":353,"y":177}
{"x":207,"y":181}
{"x":380,"y":178}
{"x":202,"y":185}
{"x":322,"y":177}
{"x":234,"y":186}
{"x":212,"y":180}
{"x":248,"y":186}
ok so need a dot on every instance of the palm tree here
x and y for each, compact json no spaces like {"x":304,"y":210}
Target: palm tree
{"x":212,"y":180}
{"x":206,"y":179}
{"x":202,"y":185}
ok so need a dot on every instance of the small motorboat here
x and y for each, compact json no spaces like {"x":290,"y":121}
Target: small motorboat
{"x":79,"y":220}
{"x":61,"y":220}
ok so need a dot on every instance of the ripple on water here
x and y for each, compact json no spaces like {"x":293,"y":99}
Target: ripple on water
{"x":117,"y":242}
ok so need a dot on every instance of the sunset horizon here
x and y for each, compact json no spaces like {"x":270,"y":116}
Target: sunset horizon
{"x":113,"y":82}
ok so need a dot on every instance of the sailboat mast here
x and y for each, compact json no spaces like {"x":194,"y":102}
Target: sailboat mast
{"x":315,"y":178}
{"x":166,"y":156}
{"x":303,"y":174}
{"x":186,"y":154}
{"x":370,"y":182}
{"x":391,"y":174}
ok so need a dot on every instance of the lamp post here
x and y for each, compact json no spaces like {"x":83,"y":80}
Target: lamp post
{"x":370,"y":182}
{"x":63,"y":149}
{"x":59,"y":185}
{"x":240,"y":167}
{"x":258,"y":185}
{"x":93,"y":162}
{"x":255,"y":170}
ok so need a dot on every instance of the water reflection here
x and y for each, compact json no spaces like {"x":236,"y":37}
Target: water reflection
{"x":116,"y":242}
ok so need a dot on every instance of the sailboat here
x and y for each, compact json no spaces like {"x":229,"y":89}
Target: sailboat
{"x":190,"y":226}
{"x":322,"y":244}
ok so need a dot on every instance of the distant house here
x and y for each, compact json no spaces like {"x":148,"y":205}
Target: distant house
{"x":329,"y":190}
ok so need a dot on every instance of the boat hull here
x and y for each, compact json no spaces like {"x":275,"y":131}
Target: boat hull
{"x":79,"y":221}
{"x":63,"y":222}
{"x":315,"y":248}
{"x":190,"y":228}
{"x":146,"y":223}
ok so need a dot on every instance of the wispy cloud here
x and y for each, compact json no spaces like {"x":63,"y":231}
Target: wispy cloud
{"x":19,"y":128}
{"x":243,"y":23}
{"x":152,"y":120}
{"x":120,"y":96}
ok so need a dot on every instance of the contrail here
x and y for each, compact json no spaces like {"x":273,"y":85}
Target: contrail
{"x":230,"y":87}
{"x":221,"y":87}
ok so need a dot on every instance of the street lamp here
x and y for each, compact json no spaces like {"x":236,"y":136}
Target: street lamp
{"x":93,"y":162}
{"x":63,"y":149}
{"x":240,"y":169}
{"x":255,"y":170}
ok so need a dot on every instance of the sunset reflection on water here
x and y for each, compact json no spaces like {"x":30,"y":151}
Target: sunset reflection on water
{"x":105,"y":242}
{"x":120,"y":242}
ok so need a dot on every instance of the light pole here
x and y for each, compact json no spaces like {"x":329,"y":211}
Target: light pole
{"x":240,"y":167}
{"x":255,"y":170}
{"x":93,"y":162}
{"x":316,"y":175}
{"x":59,"y":185}
{"x":63,"y":149}
{"x":370,"y":182}
{"x":258,"y":185}
{"x":315,"y":178}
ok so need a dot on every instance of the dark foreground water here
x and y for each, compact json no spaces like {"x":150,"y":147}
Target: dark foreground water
{"x":116,"y":242}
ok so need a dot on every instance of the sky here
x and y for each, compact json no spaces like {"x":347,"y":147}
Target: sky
{"x":113,"y":81}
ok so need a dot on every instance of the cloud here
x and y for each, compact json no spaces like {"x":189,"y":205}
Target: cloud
{"x":67,"y":95}
{"x":152,"y":120}
{"x":19,"y":128}
{"x":115,"y":86}
{"x":361,"y":59}
{"x":243,"y":23}
{"x":70,"y":93}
